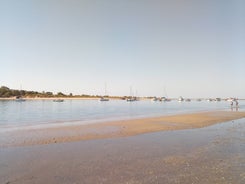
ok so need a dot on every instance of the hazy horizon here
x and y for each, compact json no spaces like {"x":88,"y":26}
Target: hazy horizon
{"x":159,"y":48}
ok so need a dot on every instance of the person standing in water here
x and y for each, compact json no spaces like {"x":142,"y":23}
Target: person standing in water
{"x":232,"y":105}
{"x":236,"y":105}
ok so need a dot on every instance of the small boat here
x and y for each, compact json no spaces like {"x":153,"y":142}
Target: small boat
{"x":154,"y":99}
{"x":181,"y":99}
{"x":187,"y":100}
{"x":58,"y":100}
{"x":131,"y":99}
{"x":103,"y":99}
{"x":230,"y":99}
{"x":217,"y":99}
{"x":19,"y":99}
{"x":164,"y":99}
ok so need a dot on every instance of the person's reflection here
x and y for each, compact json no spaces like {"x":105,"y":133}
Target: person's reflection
{"x":232,"y":105}
{"x":236,"y":108}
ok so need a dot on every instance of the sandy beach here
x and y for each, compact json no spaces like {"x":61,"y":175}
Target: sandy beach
{"x":40,"y":135}
{"x":212,"y":154}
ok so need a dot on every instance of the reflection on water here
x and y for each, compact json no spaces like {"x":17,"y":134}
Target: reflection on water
{"x":33,"y":112}
{"x":236,"y":108}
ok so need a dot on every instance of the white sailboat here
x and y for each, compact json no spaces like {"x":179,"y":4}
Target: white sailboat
{"x":181,"y":99}
{"x":103,"y":98}
{"x":20,"y":98}
{"x":131,"y":98}
{"x":165,"y":98}
{"x":154,"y":99}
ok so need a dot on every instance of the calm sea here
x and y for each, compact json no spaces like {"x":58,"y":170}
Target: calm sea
{"x":40,"y":112}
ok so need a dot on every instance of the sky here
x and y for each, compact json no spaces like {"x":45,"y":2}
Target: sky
{"x":189,"y":48}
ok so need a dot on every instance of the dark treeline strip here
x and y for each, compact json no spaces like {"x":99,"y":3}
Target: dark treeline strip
{"x":6,"y":92}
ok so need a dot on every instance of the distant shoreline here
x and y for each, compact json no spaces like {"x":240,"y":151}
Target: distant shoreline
{"x":53,"y":98}
{"x":89,"y":98}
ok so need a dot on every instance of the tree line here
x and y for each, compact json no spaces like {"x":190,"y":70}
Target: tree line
{"x":6,"y":92}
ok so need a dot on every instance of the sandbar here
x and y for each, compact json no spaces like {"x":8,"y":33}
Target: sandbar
{"x":114,"y":129}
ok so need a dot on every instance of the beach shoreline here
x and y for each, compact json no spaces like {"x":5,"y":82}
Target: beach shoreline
{"x":93,"y":98}
{"x":54,"y":98}
{"x":114,"y":129}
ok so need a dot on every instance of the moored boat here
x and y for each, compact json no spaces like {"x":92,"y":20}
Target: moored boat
{"x":181,"y":99}
{"x":154,"y":99}
{"x":58,"y":100}
{"x":131,"y":99}
{"x":103,"y":99}
{"x":164,"y":99}
{"x":19,"y":99}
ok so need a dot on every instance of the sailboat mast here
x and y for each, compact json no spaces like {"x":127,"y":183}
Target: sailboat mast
{"x":131,"y":92}
{"x":105,"y":90}
{"x":165,"y":92}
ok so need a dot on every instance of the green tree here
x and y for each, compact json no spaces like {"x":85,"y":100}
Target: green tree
{"x":4,"y":91}
{"x":15,"y":92}
{"x":49,"y":94}
{"x":60,"y":94}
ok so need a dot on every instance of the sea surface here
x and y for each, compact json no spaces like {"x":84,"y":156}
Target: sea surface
{"x":47,"y":112}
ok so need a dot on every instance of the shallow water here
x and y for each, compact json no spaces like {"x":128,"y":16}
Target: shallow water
{"x":213,"y":154}
{"x":38,"y":112}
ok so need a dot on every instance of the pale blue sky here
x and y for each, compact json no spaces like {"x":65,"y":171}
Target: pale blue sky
{"x":192,"y":48}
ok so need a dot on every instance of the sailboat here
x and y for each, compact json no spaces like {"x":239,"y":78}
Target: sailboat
{"x":19,"y":98}
{"x":103,"y":98}
{"x":131,"y":98}
{"x":165,"y":98}
{"x":154,"y":99}
{"x":181,"y":99}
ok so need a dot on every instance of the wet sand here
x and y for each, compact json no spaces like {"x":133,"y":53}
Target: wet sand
{"x":69,"y":133}
{"x":213,"y":154}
